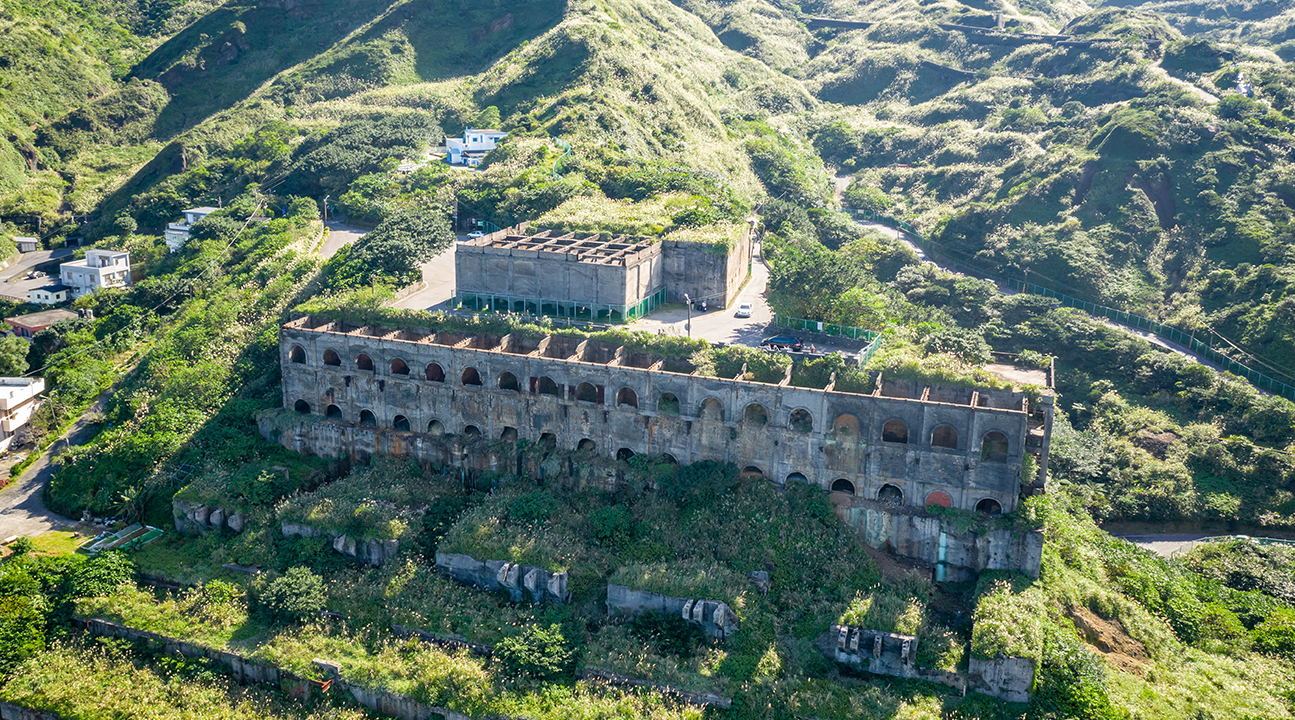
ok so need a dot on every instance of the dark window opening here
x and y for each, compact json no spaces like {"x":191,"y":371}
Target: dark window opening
{"x":624,"y":454}
{"x":843,"y":485}
{"x":332,"y":358}
{"x":586,"y":392}
{"x":400,"y":422}
{"x":755,"y":415}
{"x":471,"y":377}
{"x":333,"y":412}
{"x":367,"y":418}
{"x":894,"y":431}
{"x":434,"y":373}
{"x":802,"y":421}
{"x":989,"y":506}
{"x":302,"y":407}
{"x":890,"y":495}
{"x":399,"y":367}
{"x":508,"y":381}
{"x":626,"y":396}
{"x":364,"y":362}
{"x":297,"y":355}
{"x":668,"y":404}
{"x":945,"y":437}
{"x":993,"y":448}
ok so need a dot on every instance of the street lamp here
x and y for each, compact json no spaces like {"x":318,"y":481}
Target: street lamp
{"x":688,"y":303}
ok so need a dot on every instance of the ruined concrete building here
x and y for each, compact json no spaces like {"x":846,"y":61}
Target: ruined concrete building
{"x":885,"y":456}
{"x":592,"y":276}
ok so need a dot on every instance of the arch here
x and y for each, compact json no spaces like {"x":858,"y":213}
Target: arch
{"x":843,"y":485}
{"x":624,"y":454}
{"x":801,"y":421}
{"x":797,"y":477}
{"x":471,"y":376}
{"x":989,"y":506}
{"x":751,"y":471}
{"x":302,"y":407}
{"x":297,"y":355}
{"x":939,"y":498}
{"x":364,"y":362}
{"x":333,"y":412}
{"x":894,"y":431}
{"x":434,"y":372}
{"x":755,"y":415}
{"x":508,"y":381}
{"x":332,"y":358}
{"x":711,"y":409}
{"x":627,"y":396}
{"x":509,"y":435}
{"x":368,"y":418}
{"x":994,"y":447}
{"x":667,"y":404}
{"x":546,"y":386}
{"x":890,"y":495}
{"x":472,"y":431}
{"x":399,"y":367}
{"x":400,"y":422}
{"x":944,"y":436}
{"x":845,"y":425}
{"x":549,"y":440}
{"x":586,"y":392}
{"x":436,"y":427}
{"x":586,"y":445}
{"x":667,"y":457}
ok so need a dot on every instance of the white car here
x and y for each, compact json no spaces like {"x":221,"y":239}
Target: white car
{"x":744,"y":310}
{"x":475,"y":234}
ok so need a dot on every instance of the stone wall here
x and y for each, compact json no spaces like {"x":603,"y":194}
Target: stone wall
{"x":9,"y":711}
{"x":1007,"y":678}
{"x":371,"y":551}
{"x":197,"y":519}
{"x":715,"y":618}
{"x":702,"y":271}
{"x":518,"y":580}
{"x":884,"y":653}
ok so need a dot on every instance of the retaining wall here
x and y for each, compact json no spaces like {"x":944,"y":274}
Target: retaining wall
{"x":715,"y":618}
{"x":517,"y":580}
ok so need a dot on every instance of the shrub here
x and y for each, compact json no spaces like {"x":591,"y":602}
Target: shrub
{"x":101,"y":575}
{"x":1276,"y":634}
{"x":20,"y":547}
{"x":532,"y":507}
{"x":542,"y":653}
{"x":296,"y":596}
{"x":668,"y":634}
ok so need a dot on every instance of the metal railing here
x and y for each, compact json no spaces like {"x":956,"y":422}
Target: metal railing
{"x":832,"y":329}
{"x":1207,"y":344}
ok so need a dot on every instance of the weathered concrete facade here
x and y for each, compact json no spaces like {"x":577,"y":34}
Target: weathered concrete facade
{"x":715,"y":618}
{"x":517,"y":580}
{"x":902,"y":444}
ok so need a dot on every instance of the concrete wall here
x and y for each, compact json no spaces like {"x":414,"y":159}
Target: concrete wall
{"x":715,"y":618}
{"x":518,"y":580}
{"x":844,"y":446}
{"x":885,"y":653}
{"x":1007,"y":678}
{"x":556,"y":276}
{"x":9,"y":711}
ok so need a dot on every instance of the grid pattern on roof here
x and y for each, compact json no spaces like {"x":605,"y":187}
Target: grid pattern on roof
{"x":587,"y":247}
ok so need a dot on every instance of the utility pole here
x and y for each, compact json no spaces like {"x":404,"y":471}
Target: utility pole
{"x":688,"y":302}
{"x":326,"y":207}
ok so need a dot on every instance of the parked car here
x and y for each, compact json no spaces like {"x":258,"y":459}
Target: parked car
{"x":475,"y":234}
{"x":744,"y":310}
{"x":782,"y":342}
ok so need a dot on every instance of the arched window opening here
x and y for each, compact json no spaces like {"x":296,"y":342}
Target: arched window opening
{"x":669,"y":458}
{"x":508,"y":381}
{"x":509,"y":435}
{"x":845,"y":426}
{"x":668,"y":404}
{"x":586,"y":445}
{"x":297,"y":355}
{"x":399,"y":367}
{"x":436,"y":427}
{"x":711,"y":409}
{"x":843,"y":485}
{"x":332,"y":358}
{"x":894,"y":431}
{"x":939,"y":498}
{"x":890,"y":495}
{"x":586,"y":392}
{"x":549,"y":441}
{"x":993,"y":448}
{"x":302,"y":407}
{"x":624,"y":454}
{"x":945,"y":437}
{"x":471,"y":376}
{"x":797,"y":477}
{"x":401,"y":423}
{"x":364,"y":362}
{"x":802,"y":421}
{"x":755,"y":415}
{"x":332,"y":412}
{"x":472,"y":431}
{"x":626,"y":396}
{"x":989,"y":506}
{"x":434,"y":372}
{"x":546,"y":386}
{"x":751,"y":471}
{"x":368,"y":418}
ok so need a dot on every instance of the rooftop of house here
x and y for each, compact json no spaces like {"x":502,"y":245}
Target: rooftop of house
{"x":486,"y":130}
{"x":203,"y":210}
{"x":10,"y":385}
{"x":585,"y":247}
{"x":44,"y":318}
{"x":53,"y":287}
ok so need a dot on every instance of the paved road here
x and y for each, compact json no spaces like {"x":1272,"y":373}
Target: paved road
{"x":1168,"y":545}
{"x":438,"y":274}
{"x":15,"y":283}
{"x":339,"y":235}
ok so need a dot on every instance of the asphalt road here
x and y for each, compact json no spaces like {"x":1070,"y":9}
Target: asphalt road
{"x":1167,"y":545}
{"x":338,"y":236}
{"x":438,"y":275}
{"x":15,"y":283}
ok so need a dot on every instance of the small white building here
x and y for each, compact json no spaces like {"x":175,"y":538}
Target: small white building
{"x":19,"y":398}
{"x":473,"y":147}
{"x":99,"y":269}
{"x":51,"y":294}
{"x":177,"y":234}
{"x":27,"y":244}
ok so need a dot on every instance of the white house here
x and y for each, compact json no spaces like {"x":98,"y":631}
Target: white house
{"x":19,"y":398}
{"x":99,"y":269}
{"x":177,"y":234}
{"x":51,"y":294}
{"x":473,"y":147}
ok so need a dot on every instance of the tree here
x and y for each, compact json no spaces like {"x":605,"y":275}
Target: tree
{"x":297,"y":596}
{"x":13,"y":356}
{"x":539,"y":652}
{"x":487,"y":119}
{"x":392,"y":252}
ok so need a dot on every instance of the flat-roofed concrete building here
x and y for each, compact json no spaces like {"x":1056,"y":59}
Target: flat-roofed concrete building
{"x":593,"y":276}
{"x":19,"y":398}
{"x":26,"y":326}
{"x":99,"y":269}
